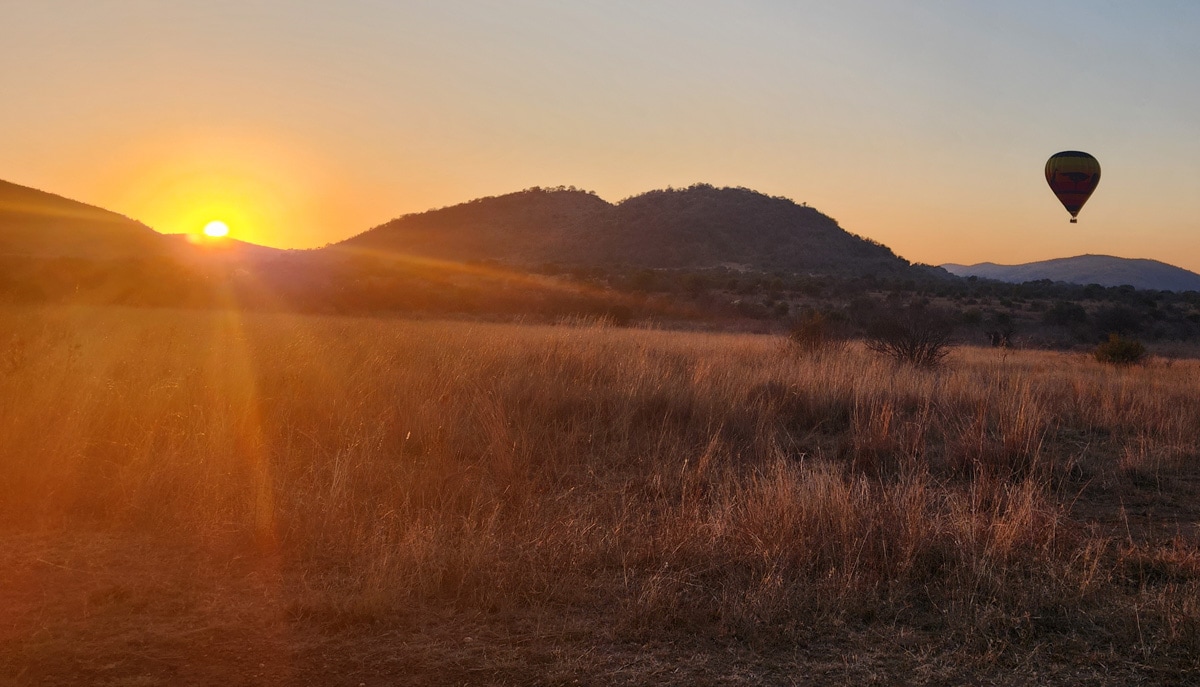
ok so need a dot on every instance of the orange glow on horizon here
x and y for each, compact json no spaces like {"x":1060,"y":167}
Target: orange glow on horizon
{"x":272,"y":191}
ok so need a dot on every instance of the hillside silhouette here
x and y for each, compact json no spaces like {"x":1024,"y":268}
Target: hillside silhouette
{"x":694,"y":228}
{"x":34,"y":223}
{"x":1105,"y":270}
{"x":198,"y":249}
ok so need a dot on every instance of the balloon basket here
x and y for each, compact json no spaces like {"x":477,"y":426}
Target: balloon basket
{"x":1074,"y":221}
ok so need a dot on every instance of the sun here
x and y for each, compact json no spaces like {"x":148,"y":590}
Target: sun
{"x":216,"y":229}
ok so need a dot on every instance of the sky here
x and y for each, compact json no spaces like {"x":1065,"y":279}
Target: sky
{"x":923,"y":125}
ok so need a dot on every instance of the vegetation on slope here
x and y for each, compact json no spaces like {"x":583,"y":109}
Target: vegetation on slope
{"x":728,"y":257}
{"x":35,"y":223}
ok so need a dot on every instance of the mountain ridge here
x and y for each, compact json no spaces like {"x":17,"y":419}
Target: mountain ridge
{"x":1105,"y":270}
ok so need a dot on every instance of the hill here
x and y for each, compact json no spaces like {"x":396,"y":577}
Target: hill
{"x":1105,"y":270}
{"x":199,"y":249}
{"x":696,"y":228}
{"x":38,"y":224}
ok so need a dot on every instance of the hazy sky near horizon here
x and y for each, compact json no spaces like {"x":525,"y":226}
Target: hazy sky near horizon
{"x":923,"y":125}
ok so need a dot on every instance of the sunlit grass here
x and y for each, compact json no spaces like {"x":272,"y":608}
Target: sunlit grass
{"x":712,"y":484}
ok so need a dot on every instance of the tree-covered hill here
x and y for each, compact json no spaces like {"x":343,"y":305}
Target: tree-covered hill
{"x":695,"y":228}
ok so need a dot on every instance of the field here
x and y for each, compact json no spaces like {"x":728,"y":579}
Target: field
{"x":233,"y":498}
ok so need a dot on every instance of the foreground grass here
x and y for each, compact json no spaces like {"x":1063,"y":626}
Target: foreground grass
{"x":270,"y":498}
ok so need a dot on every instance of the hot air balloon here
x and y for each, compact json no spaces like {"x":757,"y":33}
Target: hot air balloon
{"x":1072,"y":176}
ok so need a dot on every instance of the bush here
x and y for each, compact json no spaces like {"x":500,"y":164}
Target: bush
{"x":814,"y":331}
{"x":970,"y":316}
{"x":917,"y":335}
{"x":1119,"y":351}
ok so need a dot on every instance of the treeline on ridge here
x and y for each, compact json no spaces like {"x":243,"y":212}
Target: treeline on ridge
{"x":1041,"y":314}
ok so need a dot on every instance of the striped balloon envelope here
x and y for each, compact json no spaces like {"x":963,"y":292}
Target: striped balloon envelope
{"x":1072,"y":176}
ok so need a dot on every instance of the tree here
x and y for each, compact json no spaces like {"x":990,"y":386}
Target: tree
{"x":1000,"y":329}
{"x":1065,"y":314}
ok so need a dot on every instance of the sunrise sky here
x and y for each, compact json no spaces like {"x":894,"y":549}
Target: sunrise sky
{"x":923,"y":125}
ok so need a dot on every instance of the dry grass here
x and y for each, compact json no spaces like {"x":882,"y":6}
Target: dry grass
{"x":574,"y":491}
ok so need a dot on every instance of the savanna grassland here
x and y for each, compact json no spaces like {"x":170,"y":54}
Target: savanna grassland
{"x":232,"y":498}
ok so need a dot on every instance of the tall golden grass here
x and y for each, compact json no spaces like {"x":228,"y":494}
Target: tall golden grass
{"x":713,"y":484}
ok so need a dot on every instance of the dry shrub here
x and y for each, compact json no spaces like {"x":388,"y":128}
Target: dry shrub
{"x":916,"y":335}
{"x":815,"y":332}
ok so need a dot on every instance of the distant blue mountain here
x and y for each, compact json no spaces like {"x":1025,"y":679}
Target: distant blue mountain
{"x":1105,"y":270}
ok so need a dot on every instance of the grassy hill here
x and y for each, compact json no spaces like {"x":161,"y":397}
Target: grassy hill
{"x":698,"y":227}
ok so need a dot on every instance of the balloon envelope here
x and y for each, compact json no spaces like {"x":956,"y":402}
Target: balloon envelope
{"x":1072,"y":176}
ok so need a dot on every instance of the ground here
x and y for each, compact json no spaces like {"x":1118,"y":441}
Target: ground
{"x":227,"y":498}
